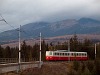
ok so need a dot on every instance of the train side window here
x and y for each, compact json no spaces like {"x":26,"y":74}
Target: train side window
{"x":82,"y":54}
{"x":57,"y":53}
{"x":85,"y":54}
{"x":63,"y":54}
{"x":72,"y":54}
{"x":79,"y":54}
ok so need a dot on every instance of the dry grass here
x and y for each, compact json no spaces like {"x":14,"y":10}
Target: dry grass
{"x":48,"y":69}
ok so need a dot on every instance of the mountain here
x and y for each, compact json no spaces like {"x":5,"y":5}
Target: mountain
{"x":64,"y":27}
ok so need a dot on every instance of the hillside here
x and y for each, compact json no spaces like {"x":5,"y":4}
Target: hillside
{"x":53,"y":39}
{"x":64,"y":27}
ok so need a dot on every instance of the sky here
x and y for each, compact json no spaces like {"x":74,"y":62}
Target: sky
{"x":20,"y":12}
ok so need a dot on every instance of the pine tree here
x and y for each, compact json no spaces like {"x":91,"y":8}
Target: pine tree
{"x":24,"y":52}
{"x":1,"y":53}
{"x":74,"y":43}
{"x":8,"y":52}
{"x":35,"y":53}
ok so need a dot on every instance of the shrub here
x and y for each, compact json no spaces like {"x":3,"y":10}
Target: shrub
{"x":86,"y":72}
{"x":90,"y":65}
{"x":97,"y":66}
{"x":76,"y":65}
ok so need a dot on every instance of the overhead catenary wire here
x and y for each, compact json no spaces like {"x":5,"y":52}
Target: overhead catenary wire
{"x":21,"y":30}
{"x":6,"y":22}
{"x":3,"y":19}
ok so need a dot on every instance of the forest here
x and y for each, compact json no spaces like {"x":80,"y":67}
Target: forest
{"x":29,"y":52}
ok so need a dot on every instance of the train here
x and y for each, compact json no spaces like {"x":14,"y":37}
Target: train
{"x":65,"y":55}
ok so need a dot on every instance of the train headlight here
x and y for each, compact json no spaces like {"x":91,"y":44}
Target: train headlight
{"x":50,"y":57}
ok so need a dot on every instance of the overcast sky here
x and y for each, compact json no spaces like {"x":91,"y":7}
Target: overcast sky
{"x":20,"y":12}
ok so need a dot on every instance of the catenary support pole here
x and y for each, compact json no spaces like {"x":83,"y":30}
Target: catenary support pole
{"x":95,"y":51}
{"x":40,"y":52}
{"x":19,"y":47}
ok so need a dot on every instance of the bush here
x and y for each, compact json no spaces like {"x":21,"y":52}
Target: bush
{"x":90,"y":65}
{"x":72,"y":72}
{"x":83,"y":67}
{"x":76,"y":65}
{"x":97,"y":66}
{"x":86,"y":72}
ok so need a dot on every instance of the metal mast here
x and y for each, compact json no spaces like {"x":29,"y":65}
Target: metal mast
{"x":95,"y":51}
{"x":40,"y":52}
{"x":19,"y":45}
{"x":40,"y":47}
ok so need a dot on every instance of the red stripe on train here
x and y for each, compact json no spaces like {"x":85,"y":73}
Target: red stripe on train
{"x":65,"y":58}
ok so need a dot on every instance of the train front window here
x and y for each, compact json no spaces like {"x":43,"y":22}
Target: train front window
{"x":50,"y":53}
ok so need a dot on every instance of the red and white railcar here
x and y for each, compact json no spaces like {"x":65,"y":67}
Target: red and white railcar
{"x":65,"y":55}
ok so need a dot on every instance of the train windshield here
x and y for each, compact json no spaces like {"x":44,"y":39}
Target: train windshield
{"x":48,"y":53}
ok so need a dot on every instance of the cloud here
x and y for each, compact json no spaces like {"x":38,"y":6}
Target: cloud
{"x":19,"y":12}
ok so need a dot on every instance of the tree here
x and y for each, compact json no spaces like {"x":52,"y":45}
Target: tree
{"x":1,"y":53}
{"x":88,"y":47}
{"x":98,"y":50}
{"x":24,"y":51}
{"x":8,"y":52}
{"x":29,"y":52}
{"x":44,"y":49}
{"x":14,"y":53}
{"x":35,"y":51}
{"x":74,"y":43}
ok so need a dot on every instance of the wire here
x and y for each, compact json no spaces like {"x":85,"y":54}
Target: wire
{"x":14,"y":27}
{"x":6,"y":21}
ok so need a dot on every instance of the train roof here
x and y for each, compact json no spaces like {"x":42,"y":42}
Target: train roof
{"x":65,"y":51}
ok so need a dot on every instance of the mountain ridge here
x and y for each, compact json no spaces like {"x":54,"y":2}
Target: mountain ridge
{"x":64,"y":27}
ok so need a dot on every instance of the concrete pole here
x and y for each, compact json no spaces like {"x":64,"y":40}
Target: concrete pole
{"x":40,"y":51}
{"x":19,"y":48}
{"x":95,"y":51}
